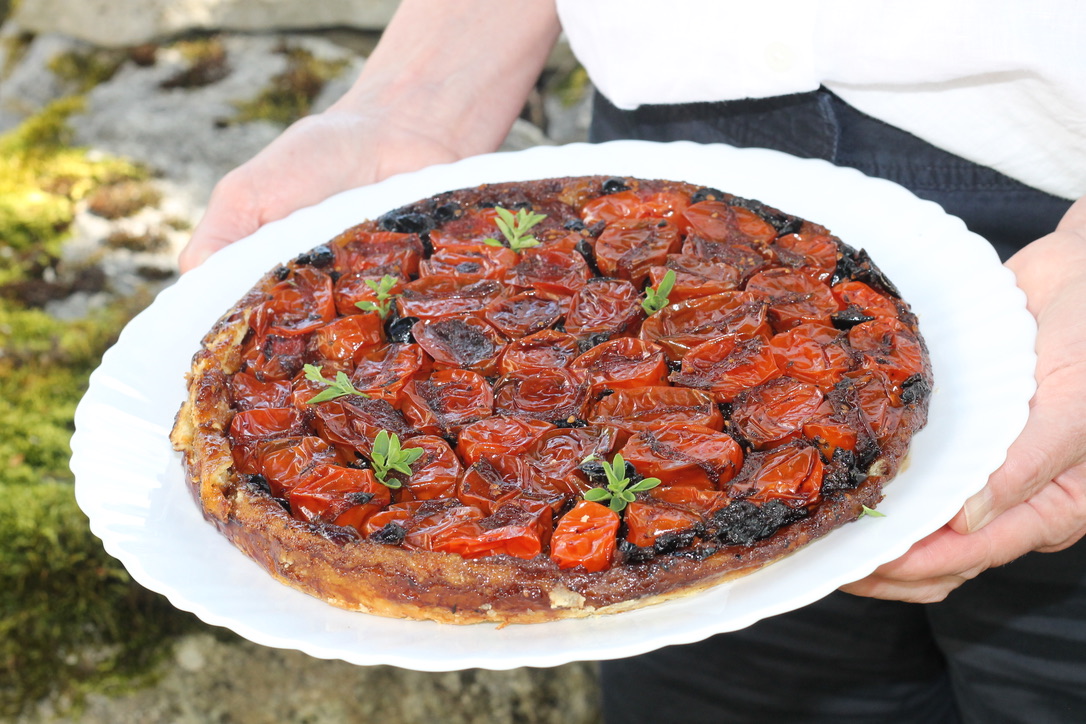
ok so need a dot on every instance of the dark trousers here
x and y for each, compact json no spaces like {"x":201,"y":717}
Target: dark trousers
{"x":1008,"y":646}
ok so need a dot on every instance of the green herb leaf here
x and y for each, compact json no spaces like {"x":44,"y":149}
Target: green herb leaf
{"x":382,"y":288}
{"x":514,"y":227}
{"x":619,"y":491}
{"x":656,"y":299}
{"x":338,"y":387}
{"x":871,"y":512}
{"x":387,"y":456}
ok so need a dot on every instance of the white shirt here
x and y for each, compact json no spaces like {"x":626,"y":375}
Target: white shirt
{"x":999,"y":82}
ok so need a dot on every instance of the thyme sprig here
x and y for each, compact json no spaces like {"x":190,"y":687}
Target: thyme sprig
{"x":620,"y":489}
{"x":387,"y":456}
{"x":338,"y":387}
{"x":515,"y":228}
{"x":656,"y":299}
{"x":382,"y":289}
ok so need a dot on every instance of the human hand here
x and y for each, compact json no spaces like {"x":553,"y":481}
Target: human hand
{"x":1036,"y":501}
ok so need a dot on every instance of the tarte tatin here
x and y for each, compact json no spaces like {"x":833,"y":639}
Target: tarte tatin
{"x":554,"y":398}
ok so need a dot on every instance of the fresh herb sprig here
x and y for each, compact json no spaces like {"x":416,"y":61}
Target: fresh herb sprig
{"x":387,"y":456}
{"x":656,"y":299}
{"x":338,"y":387}
{"x":871,"y":512}
{"x":619,"y":491}
{"x":382,"y":288}
{"x":515,"y":228}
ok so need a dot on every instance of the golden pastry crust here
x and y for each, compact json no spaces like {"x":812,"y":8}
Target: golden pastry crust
{"x":345,"y":567}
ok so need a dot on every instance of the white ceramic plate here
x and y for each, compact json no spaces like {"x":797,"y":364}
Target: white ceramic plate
{"x":130,"y":483}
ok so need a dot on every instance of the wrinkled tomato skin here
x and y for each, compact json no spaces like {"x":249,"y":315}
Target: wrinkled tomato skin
{"x":542,"y":350}
{"x":550,"y":272}
{"x":685,"y":455}
{"x":447,"y":401}
{"x":519,"y":528}
{"x":864,"y":298}
{"x":469,"y":261}
{"x":352,"y":422}
{"x":695,"y":277}
{"x":794,"y":298}
{"x":603,"y":307}
{"x":556,"y":455}
{"x":351,"y":288}
{"x":383,"y":372}
{"x":815,"y":254}
{"x":889,"y":346}
{"x":436,"y":297}
{"x":248,"y":392}
{"x":647,"y":521}
{"x":434,"y":475}
{"x":791,"y":474}
{"x":460,"y":343}
{"x":628,"y":249}
{"x":611,"y":208}
{"x":812,"y":353}
{"x":699,"y":501}
{"x":829,"y":436}
{"x":431,"y":532}
{"x":499,"y":436}
{"x":621,"y":363}
{"x":523,"y":314}
{"x":774,"y":413}
{"x":725,"y":366}
{"x":299,"y":304}
{"x":284,"y":462}
{"x":585,"y":536}
{"x":879,"y":403}
{"x":471,"y":227}
{"x":274,"y":357}
{"x":640,"y":408}
{"x":348,"y":337}
{"x":717,"y":221}
{"x":331,"y":494}
{"x":552,"y":395}
{"x":267,"y":422}
{"x":678,"y":328}
{"x":357,"y":250}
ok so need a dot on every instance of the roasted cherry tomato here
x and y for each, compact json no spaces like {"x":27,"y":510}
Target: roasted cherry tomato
{"x":791,"y":474}
{"x":430,"y":532}
{"x":685,"y":455}
{"x":267,"y":422}
{"x":434,"y":475}
{"x":585,"y":536}
{"x":492,"y":481}
{"x":550,"y":272}
{"x":607,"y":307}
{"x":273,"y":357}
{"x":681,"y":327}
{"x":443,"y":296}
{"x":726,"y":366}
{"x":622,"y":362}
{"x":647,"y":521}
{"x":627,"y":249}
{"x":774,"y":413}
{"x":557,"y":455}
{"x":350,"y":289}
{"x":549,"y":348}
{"x":382,"y":372}
{"x":555,"y":394}
{"x":351,"y":422}
{"x":717,"y":221}
{"x":815,"y":254}
{"x":339,"y":495}
{"x":890,"y":346}
{"x":248,"y":392}
{"x":812,"y":353}
{"x":868,"y":301}
{"x":695,"y":277}
{"x":519,"y":528}
{"x":829,"y":435}
{"x":446,"y":401}
{"x":298,"y":304}
{"x":471,"y":226}
{"x":284,"y":462}
{"x":697,"y":500}
{"x":469,"y":261}
{"x":612,"y":207}
{"x":499,"y":436}
{"x":357,"y":250}
{"x":747,"y":258}
{"x":640,"y":408}
{"x":460,"y":342}
{"x":523,"y":314}
{"x":794,"y":298}
{"x":348,"y":337}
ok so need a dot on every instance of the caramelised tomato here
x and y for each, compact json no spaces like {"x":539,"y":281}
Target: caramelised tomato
{"x":357,"y":250}
{"x":285,"y":461}
{"x":549,"y":348}
{"x":447,"y":401}
{"x":815,"y":254}
{"x":607,"y":307}
{"x":474,"y":261}
{"x":348,"y":338}
{"x":868,"y":301}
{"x":681,"y":327}
{"x":248,"y":392}
{"x":695,"y":277}
{"x":498,"y":436}
{"x":523,"y":314}
{"x":298,"y":305}
{"x":791,"y":474}
{"x":620,"y":363}
{"x":889,"y":346}
{"x":812,"y":353}
{"x":350,"y":289}
{"x":519,"y":528}
{"x":550,"y":272}
{"x":555,"y":394}
{"x":639,"y":408}
{"x":382,"y":372}
{"x":556,"y":456}
{"x":267,"y":422}
{"x":627,"y":249}
{"x":274,"y":357}
{"x":700,"y":501}
{"x":443,"y":296}
{"x":647,"y":521}
{"x":352,"y":422}
{"x":460,"y":342}
{"x":434,"y":475}
{"x":585,"y":536}
{"x":794,"y":298}
{"x":684,"y":455}
{"x":726,"y":366}
{"x":338,"y":495}
{"x":718,"y":221}
{"x":775,"y":412}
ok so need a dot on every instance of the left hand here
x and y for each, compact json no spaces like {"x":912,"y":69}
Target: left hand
{"x":1036,"y":501}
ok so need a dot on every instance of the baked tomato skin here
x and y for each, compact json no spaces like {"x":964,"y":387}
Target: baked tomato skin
{"x":248,"y":392}
{"x":620,"y":363}
{"x":520,"y":528}
{"x":382,"y":372}
{"x":523,"y":314}
{"x":339,"y":495}
{"x":554,"y":460}
{"x":791,"y":474}
{"x":549,"y":272}
{"x":446,"y":401}
{"x":348,"y":338}
{"x":542,"y":350}
{"x":469,"y":261}
{"x":718,"y":221}
{"x":813,"y":353}
{"x":647,"y":521}
{"x":553,"y":395}
{"x":640,"y":408}
{"x":794,"y":298}
{"x":684,"y":455}
{"x":604,"y":307}
{"x":678,"y":328}
{"x":815,"y":254}
{"x":699,"y":501}
{"x":499,"y":435}
{"x":440,"y":296}
{"x":283,"y":462}
{"x":868,"y":301}
{"x":350,"y":423}
{"x":889,"y":346}
{"x":352,"y":288}
{"x":695,"y":277}
{"x":359,"y":250}
{"x":267,"y":422}
{"x":299,"y":304}
{"x":776,"y":412}
{"x":627,"y":249}
{"x":726,"y":366}
{"x":585,"y":536}
{"x":460,"y":342}
{"x":434,"y":475}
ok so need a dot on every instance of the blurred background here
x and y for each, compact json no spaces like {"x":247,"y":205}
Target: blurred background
{"x":116,"y":119}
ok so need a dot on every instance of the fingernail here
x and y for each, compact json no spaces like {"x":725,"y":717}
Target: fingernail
{"x":979,"y":510}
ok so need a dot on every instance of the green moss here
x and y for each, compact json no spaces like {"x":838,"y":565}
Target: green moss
{"x":292,"y":92}
{"x":71,"y":620}
{"x":84,"y":69}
